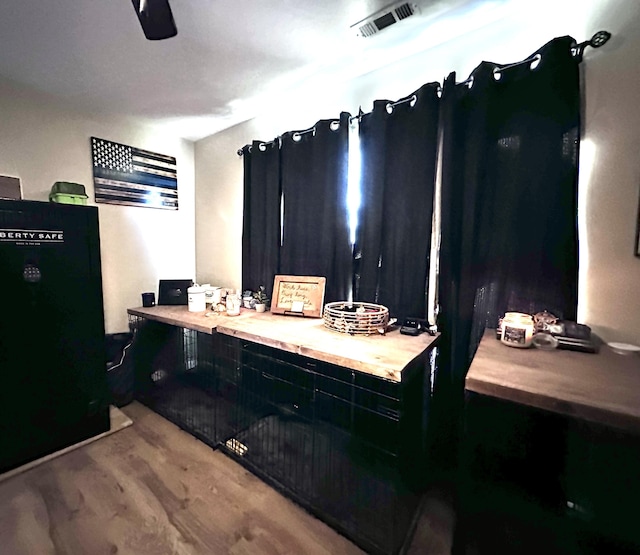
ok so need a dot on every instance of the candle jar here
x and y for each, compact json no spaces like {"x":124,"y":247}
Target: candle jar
{"x":517,"y":330}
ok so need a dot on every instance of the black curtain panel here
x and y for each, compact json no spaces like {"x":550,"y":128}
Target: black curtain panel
{"x":315,"y":223}
{"x":398,"y":142}
{"x":261,"y":215}
{"x":509,"y":199}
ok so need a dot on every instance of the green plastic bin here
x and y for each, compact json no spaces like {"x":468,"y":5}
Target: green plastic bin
{"x":68,"y":193}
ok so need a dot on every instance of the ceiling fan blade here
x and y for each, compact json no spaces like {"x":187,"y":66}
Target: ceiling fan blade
{"x":156,"y":18}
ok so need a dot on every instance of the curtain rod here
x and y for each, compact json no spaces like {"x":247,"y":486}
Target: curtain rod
{"x":296,"y":135}
{"x":497,"y":71}
{"x":596,"y":41}
{"x":262,"y":146}
{"x":412,"y":99}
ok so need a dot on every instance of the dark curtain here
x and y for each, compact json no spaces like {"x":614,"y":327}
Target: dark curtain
{"x":261,"y":215}
{"x":316,"y":224}
{"x":393,"y":240}
{"x":509,"y":201}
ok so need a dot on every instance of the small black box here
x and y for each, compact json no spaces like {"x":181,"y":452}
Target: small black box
{"x":173,"y":291}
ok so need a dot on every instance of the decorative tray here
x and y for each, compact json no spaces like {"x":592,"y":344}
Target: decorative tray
{"x":356,"y":318}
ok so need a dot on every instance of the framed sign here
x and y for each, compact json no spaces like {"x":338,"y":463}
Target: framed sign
{"x":300,"y":295}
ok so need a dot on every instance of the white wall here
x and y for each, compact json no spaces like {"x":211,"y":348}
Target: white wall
{"x":609,"y":180}
{"x":219,"y":175}
{"x":43,"y":141}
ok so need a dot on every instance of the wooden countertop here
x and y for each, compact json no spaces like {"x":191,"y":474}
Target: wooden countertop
{"x":383,"y":356}
{"x":602,"y":388}
{"x":178,"y":316}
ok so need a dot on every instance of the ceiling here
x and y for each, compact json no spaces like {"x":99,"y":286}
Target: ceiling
{"x":228,"y":56}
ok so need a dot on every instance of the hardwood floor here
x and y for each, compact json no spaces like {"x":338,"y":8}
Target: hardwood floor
{"x":153,"y":489}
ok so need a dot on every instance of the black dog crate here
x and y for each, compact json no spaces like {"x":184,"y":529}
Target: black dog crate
{"x":174,"y":375}
{"x":343,"y":444}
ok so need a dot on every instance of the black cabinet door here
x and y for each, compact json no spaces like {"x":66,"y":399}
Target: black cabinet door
{"x":533,"y":481}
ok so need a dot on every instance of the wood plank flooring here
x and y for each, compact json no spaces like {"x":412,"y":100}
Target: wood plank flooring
{"x":154,"y":489}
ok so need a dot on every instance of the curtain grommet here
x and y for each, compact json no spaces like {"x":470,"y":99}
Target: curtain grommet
{"x":535,"y":62}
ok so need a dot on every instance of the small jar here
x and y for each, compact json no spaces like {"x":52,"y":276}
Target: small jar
{"x":517,"y":330}
{"x":234,"y":300}
{"x":545,"y":341}
{"x":208,"y":294}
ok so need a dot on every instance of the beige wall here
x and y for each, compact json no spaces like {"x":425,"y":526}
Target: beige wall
{"x":610,"y":160}
{"x":610,"y":179}
{"x":219,"y":175}
{"x":42,"y":142}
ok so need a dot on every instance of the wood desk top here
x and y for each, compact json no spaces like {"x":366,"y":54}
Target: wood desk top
{"x":383,"y":356}
{"x":603,"y":388}
{"x":178,"y":316}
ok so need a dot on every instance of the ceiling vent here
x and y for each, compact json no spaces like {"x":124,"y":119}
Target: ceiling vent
{"x":384,"y":18}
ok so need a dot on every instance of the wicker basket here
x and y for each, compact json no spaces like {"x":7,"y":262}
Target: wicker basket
{"x":356,"y":318}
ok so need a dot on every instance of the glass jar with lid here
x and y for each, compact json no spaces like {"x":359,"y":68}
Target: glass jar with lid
{"x":517,"y":330}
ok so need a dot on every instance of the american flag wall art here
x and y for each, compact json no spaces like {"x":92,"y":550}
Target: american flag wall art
{"x":126,"y":175}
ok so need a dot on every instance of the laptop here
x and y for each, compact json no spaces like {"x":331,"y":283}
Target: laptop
{"x":173,"y":291}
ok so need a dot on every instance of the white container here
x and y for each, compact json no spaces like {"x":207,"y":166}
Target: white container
{"x":517,"y":330}
{"x":216,"y":295}
{"x":196,"y":297}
